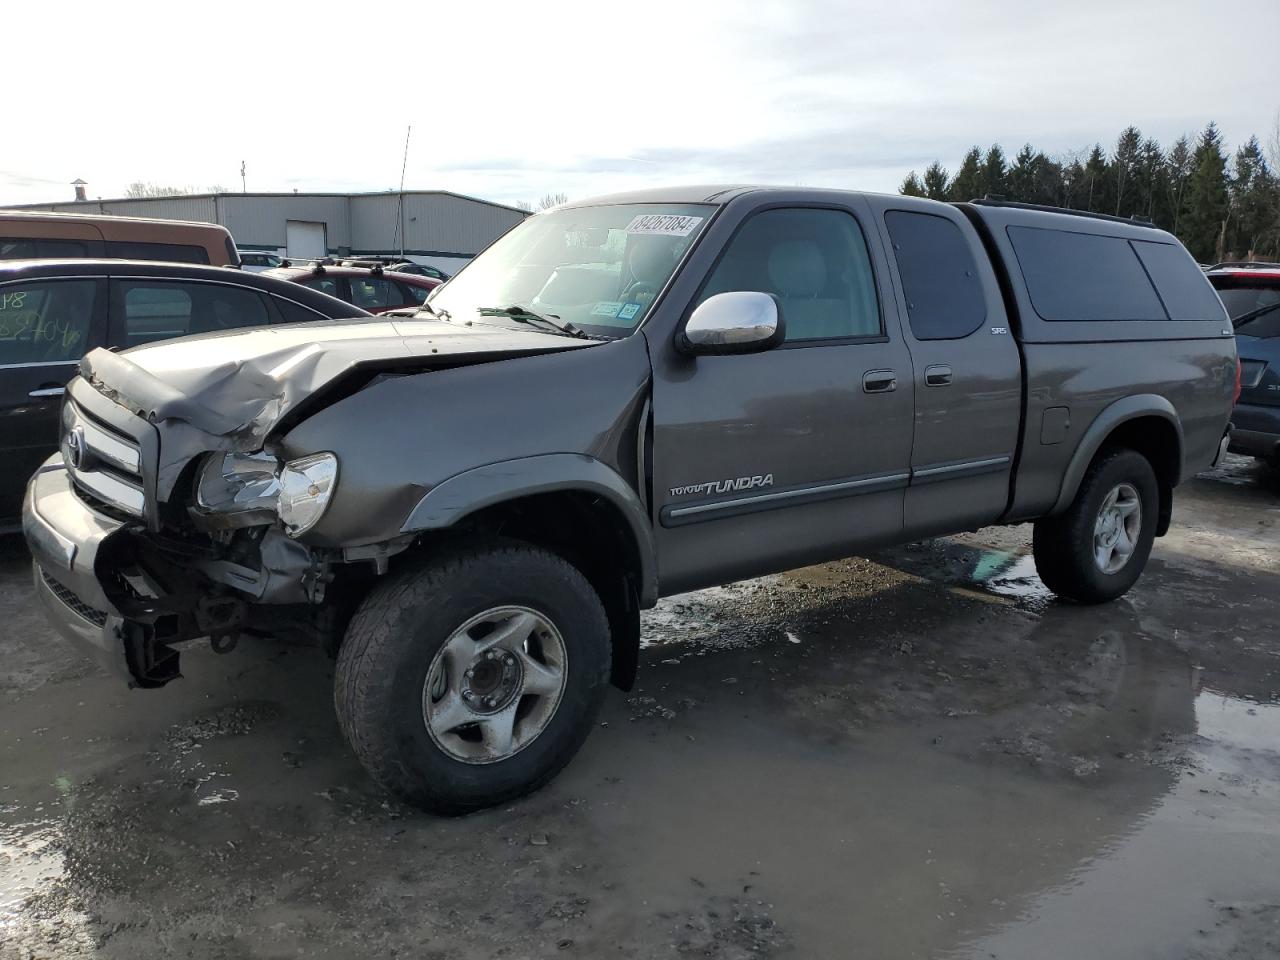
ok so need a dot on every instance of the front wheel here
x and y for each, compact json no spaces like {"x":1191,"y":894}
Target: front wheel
{"x":474,"y":678}
{"x":1096,"y":550}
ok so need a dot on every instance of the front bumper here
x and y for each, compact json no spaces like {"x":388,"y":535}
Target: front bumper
{"x":65,"y":538}
{"x":1256,"y":430}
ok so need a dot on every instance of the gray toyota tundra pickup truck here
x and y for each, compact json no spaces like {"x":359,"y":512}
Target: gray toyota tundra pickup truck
{"x":622,"y":399}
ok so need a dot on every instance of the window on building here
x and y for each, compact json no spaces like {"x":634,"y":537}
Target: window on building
{"x":814,"y":261}
{"x":939,"y":276}
{"x":45,"y":321}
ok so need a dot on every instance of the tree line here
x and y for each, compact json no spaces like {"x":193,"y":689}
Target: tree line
{"x":1221,"y":207}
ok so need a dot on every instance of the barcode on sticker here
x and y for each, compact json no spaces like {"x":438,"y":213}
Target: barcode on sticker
{"x":663,"y":225}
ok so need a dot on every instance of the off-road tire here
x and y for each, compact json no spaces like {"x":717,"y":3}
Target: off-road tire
{"x":391,"y":642}
{"x":1064,"y":544}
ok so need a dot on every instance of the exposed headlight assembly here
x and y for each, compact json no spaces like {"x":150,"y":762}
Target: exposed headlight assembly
{"x":244,"y":490}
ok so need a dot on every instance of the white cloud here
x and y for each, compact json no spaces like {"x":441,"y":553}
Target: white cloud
{"x":512,"y":100}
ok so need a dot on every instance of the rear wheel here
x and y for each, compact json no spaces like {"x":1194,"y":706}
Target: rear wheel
{"x":1096,"y":550}
{"x":474,"y":678}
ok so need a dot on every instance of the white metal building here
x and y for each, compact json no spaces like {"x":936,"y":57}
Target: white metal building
{"x":439,"y":228}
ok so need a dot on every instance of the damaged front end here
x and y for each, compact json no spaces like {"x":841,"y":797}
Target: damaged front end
{"x":174,"y":510}
{"x":147,"y":529}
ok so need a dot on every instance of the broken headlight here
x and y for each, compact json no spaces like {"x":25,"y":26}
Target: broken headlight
{"x":243,"y":490}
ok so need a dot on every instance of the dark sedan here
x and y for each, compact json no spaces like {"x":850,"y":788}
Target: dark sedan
{"x":53,"y":311}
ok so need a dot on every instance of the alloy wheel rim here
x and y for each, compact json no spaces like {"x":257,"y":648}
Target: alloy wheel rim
{"x":495,"y":684}
{"x":1117,"y":528}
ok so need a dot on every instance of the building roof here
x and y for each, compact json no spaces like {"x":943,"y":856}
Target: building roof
{"x":269,"y":194}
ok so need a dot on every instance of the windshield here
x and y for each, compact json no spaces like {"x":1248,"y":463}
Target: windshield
{"x":1240,"y":300}
{"x":597,"y":268}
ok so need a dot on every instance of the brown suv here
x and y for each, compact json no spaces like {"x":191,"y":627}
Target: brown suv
{"x":27,"y":236}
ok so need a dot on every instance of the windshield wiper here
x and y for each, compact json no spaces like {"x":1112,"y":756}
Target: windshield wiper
{"x":524,"y":315}
{"x":1244,"y":318}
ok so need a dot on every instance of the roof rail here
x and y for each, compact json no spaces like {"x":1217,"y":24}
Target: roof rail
{"x":995,"y":200}
{"x":1244,"y":264}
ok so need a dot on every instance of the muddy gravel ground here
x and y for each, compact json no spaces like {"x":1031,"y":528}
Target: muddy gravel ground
{"x":915,"y":754}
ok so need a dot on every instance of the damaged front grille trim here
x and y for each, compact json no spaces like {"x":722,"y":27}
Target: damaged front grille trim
{"x":102,"y":462}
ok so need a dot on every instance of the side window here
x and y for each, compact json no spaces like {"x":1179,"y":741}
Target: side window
{"x":137,"y":250}
{"x":1182,"y":285}
{"x":814,"y":261}
{"x":1084,"y":276}
{"x":45,"y":321}
{"x":939,"y":276}
{"x":372,"y":293}
{"x":410,"y":294}
{"x":14,"y":248}
{"x":147,"y":310}
{"x":295,"y":312}
{"x":324,"y":284}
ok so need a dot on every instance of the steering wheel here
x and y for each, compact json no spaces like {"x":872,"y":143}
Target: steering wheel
{"x":640,"y":287}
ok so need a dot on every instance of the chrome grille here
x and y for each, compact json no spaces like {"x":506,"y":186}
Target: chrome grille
{"x":103,"y":463}
{"x":74,"y":603}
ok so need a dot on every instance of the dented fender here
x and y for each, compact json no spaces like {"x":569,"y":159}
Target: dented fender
{"x":475,"y":489}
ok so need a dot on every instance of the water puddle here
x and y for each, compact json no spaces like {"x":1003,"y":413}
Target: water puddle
{"x":1238,"y":723}
{"x":29,"y":858}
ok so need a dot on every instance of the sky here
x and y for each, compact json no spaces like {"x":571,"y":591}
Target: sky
{"x":512,"y":101}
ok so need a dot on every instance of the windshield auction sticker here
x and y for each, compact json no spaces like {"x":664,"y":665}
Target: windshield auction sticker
{"x":662,"y":225}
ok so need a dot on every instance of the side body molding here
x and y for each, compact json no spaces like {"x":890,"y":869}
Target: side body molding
{"x":1126,"y":408}
{"x":475,"y":489}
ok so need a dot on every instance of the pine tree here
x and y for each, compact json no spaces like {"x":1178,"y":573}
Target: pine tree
{"x":1148,"y":179}
{"x":1252,"y":190}
{"x":1204,"y":224}
{"x":968,"y":184}
{"x":1124,"y":166}
{"x":1022,"y":176}
{"x":1096,"y":183}
{"x":911,"y":186}
{"x":936,"y":181}
{"x":995,"y":172}
{"x":1177,"y":171}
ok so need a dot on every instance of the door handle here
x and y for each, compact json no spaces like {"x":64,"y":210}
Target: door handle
{"x":47,"y":392}
{"x":939,"y":375}
{"x":879,"y":381}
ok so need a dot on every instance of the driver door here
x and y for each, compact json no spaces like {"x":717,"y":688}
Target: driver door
{"x":767,"y":461}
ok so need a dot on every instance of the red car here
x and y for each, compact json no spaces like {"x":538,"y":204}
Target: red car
{"x":369,"y":288}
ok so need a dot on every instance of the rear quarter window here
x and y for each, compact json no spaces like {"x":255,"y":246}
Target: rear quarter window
{"x":1083,"y":276}
{"x":1182,"y":285}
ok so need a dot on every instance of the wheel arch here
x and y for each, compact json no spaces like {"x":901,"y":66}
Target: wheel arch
{"x":1147,"y":423}
{"x":574,"y":505}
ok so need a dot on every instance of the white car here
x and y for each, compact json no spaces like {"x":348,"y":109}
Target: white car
{"x":256,"y":261}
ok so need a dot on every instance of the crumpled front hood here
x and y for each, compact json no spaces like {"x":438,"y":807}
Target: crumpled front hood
{"x":237,"y":385}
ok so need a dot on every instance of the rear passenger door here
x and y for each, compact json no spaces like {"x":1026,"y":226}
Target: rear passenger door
{"x":46,"y":326}
{"x":967,"y":371}
{"x":145,"y":309}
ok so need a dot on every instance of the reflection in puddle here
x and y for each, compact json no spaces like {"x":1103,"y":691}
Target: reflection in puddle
{"x":1011,"y":575}
{"x":1238,"y":723}
{"x":28,"y":858}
